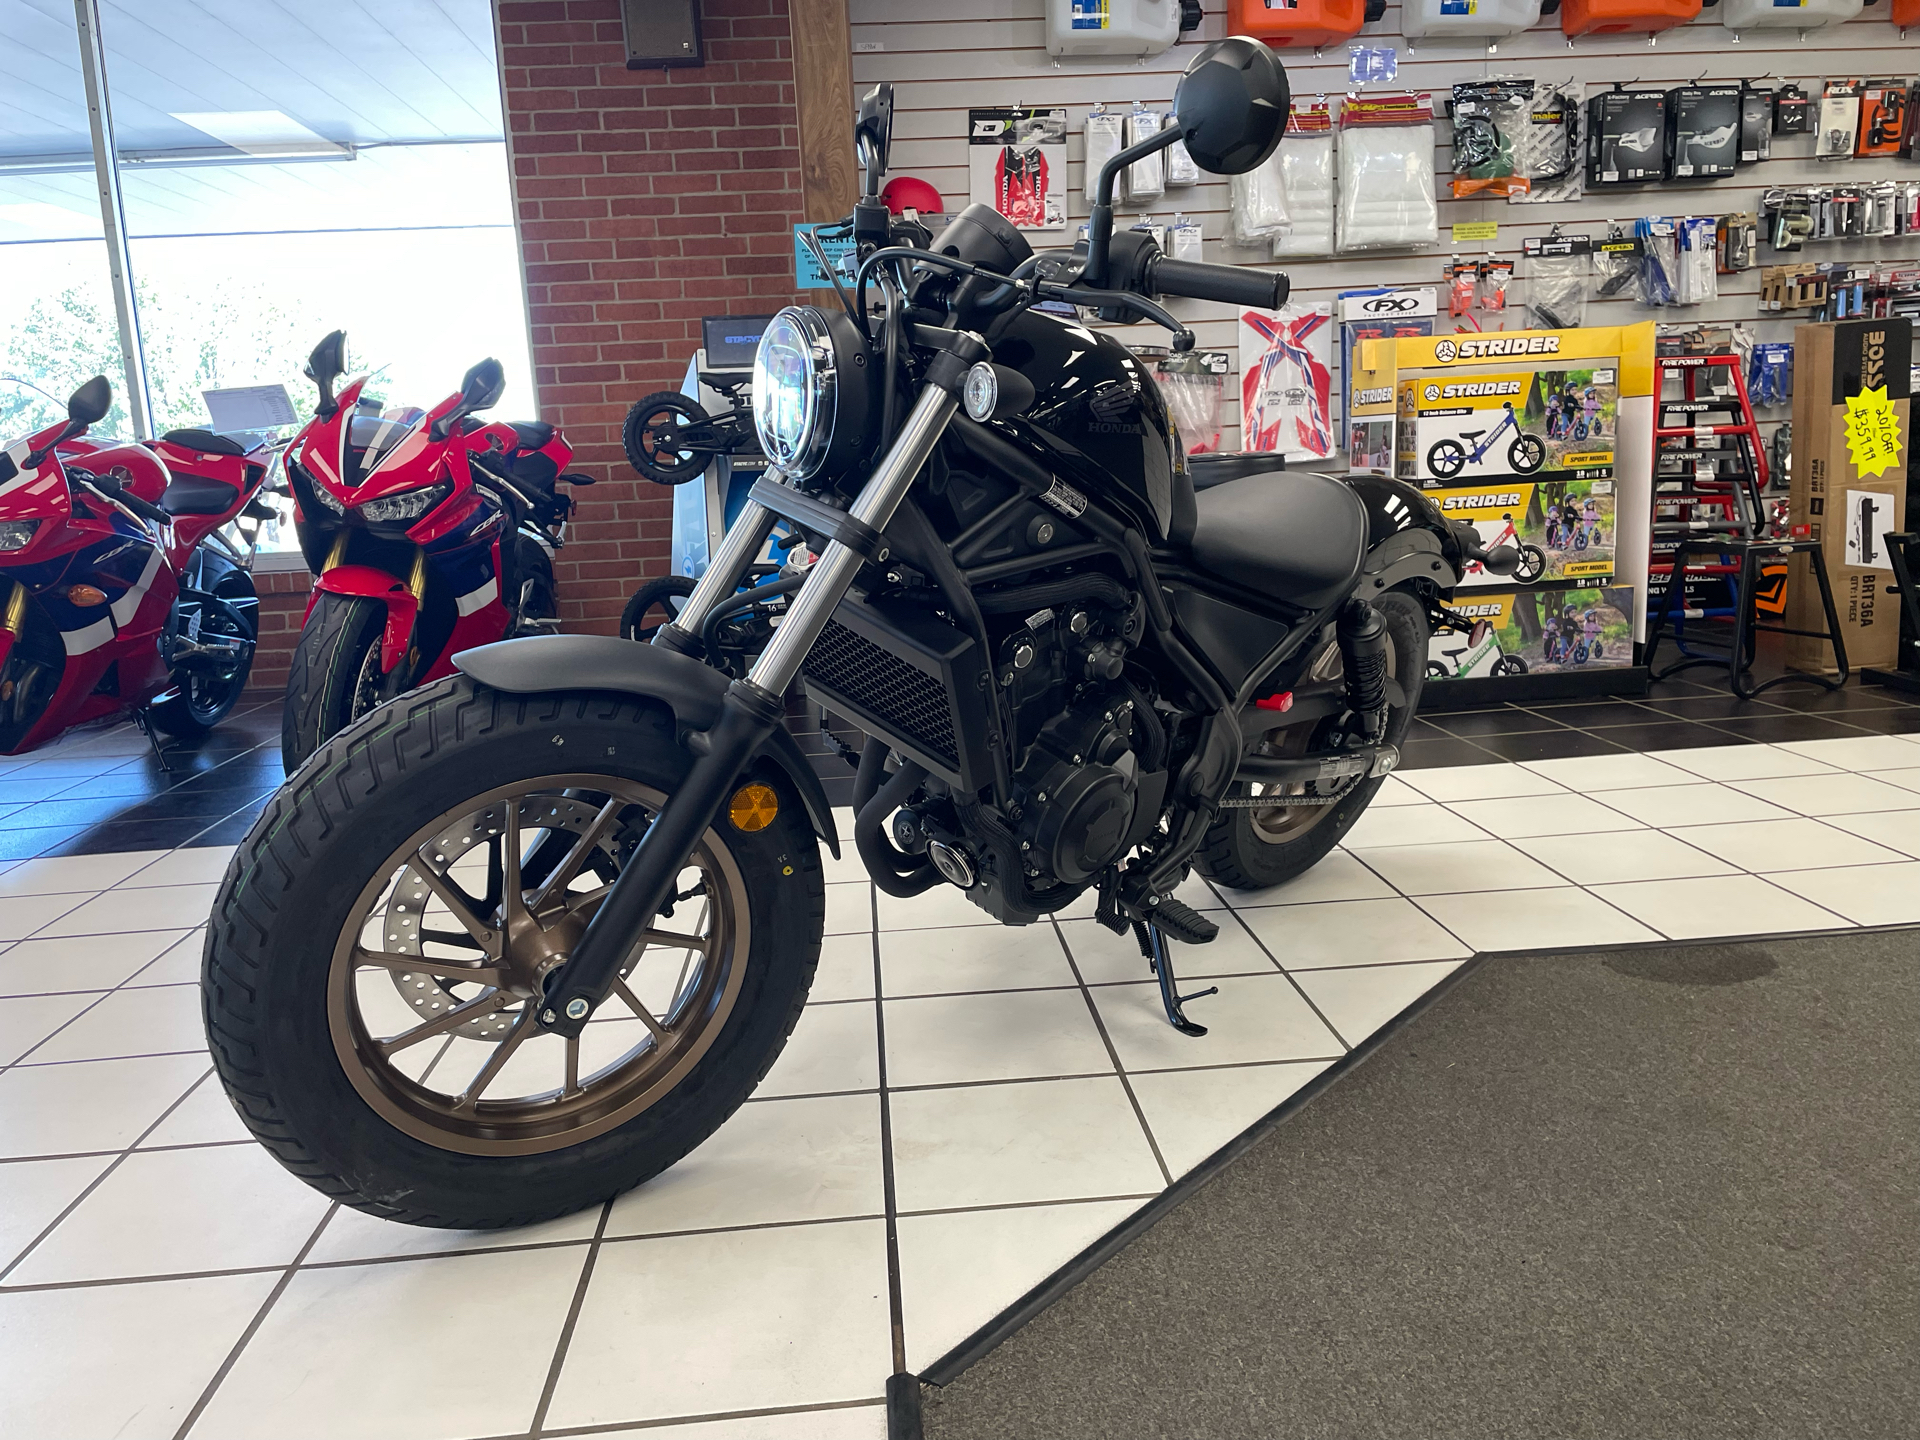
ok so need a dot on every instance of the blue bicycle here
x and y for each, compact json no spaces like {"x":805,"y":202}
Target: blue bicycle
{"x":1525,"y":453}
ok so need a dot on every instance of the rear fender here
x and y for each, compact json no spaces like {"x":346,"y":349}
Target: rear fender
{"x":1408,"y":537}
{"x":368,"y":583}
{"x":692,"y":691}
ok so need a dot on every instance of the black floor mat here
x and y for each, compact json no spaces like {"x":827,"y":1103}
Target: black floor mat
{"x":1669,"y":1192}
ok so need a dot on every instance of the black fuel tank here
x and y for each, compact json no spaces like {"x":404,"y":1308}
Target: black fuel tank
{"x":1098,"y":418}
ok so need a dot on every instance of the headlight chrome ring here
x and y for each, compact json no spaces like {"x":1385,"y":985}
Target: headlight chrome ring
{"x":795,"y":390}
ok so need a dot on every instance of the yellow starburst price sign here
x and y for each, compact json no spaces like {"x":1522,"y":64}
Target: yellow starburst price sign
{"x":1873,"y":432}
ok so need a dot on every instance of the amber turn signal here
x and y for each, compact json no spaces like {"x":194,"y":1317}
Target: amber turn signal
{"x":86,"y":595}
{"x":753,"y":807}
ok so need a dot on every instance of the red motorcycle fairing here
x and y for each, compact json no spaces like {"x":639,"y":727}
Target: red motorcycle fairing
{"x":372,"y":584}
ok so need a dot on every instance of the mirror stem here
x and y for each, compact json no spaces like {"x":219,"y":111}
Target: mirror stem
{"x":1100,"y":222}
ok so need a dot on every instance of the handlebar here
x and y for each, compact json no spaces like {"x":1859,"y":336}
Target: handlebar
{"x":1229,"y":284}
{"x":112,"y":490}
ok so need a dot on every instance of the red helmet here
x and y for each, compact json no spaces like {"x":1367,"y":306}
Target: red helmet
{"x":905,"y":193}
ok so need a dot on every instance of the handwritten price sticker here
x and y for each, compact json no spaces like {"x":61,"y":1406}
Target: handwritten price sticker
{"x":1873,"y":432}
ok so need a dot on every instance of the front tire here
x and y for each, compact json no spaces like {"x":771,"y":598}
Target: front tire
{"x":1447,"y":458}
{"x":335,"y":676}
{"x":1253,"y":849}
{"x":1533,"y":564}
{"x":454,"y":791}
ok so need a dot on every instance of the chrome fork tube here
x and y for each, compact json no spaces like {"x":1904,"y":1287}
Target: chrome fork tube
{"x":738,"y":546}
{"x":827,"y":582}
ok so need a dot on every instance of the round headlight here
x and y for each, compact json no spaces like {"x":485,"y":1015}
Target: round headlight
{"x":794,"y":388}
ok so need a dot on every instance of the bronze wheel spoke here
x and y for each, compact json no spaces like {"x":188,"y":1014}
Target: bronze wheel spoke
{"x":571,"y":1086}
{"x":461,"y":904}
{"x":671,"y":941}
{"x":427,"y":965}
{"x":654,"y":1027}
{"x":564,"y":873}
{"x":503,"y":1052}
{"x":512,"y":902}
{"x":439,"y":1025}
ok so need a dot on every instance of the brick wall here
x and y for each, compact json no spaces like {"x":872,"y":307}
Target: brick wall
{"x":283,"y":600}
{"x":646,"y":199}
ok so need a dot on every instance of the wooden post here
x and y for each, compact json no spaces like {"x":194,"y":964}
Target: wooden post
{"x":823,"y":98}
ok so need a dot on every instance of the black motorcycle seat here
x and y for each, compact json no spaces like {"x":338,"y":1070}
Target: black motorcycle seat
{"x":1299,"y":538}
{"x":206,"y":442}
{"x":533,"y":434}
{"x":197,"y":495}
{"x":1218,"y":467}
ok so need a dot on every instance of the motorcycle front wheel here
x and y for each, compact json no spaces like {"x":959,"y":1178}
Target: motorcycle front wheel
{"x":375,"y":953}
{"x":1252,"y":848}
{"x":335,"y":676}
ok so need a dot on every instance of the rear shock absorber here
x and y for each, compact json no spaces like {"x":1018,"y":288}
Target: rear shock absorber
{"x":1363,"y":658}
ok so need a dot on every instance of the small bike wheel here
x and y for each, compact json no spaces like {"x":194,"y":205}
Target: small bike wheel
{"x":1527,"y":453}
{"x":1533,"y":564}
{"x":1447,"y":458}
{"x":1580,"y":538}
{"x":656,"y":440}
{"x":1595,"y":651}
{"x":1437,"y":671}
{"x":1509,"y":665}
{"x":653,"y":605}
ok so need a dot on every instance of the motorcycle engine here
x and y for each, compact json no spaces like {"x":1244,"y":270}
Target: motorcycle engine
{"x":1079,"y":779}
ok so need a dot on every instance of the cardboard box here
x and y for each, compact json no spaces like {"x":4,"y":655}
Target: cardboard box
{"x":1848,"y":510}
{"x":1536,"y":632}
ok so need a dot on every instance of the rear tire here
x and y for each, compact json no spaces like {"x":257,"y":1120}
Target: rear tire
{"x":1244,"y":850}
{"x":327,"y":682}
{"x":290,"y":1032}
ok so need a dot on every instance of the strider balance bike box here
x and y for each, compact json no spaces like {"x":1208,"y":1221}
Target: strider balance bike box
{"x":1546,"y":631}
{"x":1521,"y":424}
{"x":1563,"y":529}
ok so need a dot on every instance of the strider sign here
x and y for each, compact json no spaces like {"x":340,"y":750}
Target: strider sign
{"x":1488,"y":347}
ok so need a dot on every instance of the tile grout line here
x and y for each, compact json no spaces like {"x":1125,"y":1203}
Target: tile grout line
{"x":24,"y":1058}
{"x":1298,"y":988}
{"x":889,"y":1193}
{"x":1119,"y":1070}
{"x":118,"y":1160}
{"x":253,"y":1326}
{"x":568,"y":1325}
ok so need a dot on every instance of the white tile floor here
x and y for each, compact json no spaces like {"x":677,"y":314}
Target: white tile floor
{"x":1034,"y":1099}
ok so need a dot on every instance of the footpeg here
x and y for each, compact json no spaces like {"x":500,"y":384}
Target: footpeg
{"x":1183,"y":922}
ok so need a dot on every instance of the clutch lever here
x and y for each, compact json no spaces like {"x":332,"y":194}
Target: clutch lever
{"x":1124,"y":303}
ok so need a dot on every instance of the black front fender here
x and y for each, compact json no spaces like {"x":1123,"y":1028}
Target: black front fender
{"x":692,"y":691}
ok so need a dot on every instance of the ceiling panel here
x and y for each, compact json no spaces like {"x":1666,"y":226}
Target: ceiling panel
{"x":353,"y":71}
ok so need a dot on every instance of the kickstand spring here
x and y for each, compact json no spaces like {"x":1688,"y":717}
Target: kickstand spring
{"x":1161,"y":960}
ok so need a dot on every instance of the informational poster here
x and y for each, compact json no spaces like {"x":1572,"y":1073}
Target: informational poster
{"x":1286,"y":381}
{"x":1017,"y":163}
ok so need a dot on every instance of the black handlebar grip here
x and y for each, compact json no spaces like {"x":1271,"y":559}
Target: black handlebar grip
{"x":1229,"y":284}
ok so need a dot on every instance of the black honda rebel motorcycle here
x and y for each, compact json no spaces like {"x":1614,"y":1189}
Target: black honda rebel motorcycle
{"x":516,"y":941}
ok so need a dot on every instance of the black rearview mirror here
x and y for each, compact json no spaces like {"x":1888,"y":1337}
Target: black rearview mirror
{"x":873,"y":134}
{"x":1231,"y":105}
{"x":482,"y":386}
{"x":89,"y":404}
{"x":328,"y":363}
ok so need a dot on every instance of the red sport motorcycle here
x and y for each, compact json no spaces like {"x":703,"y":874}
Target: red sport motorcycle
{"x":120,"y":591}
{"x":430,"y":533}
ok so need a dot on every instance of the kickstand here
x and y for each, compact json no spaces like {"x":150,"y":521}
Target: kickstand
{"x":1160,"y":957}
{"x":146,"y":729}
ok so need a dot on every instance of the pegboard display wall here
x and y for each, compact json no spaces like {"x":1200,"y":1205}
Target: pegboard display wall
{"x":947,"y":56}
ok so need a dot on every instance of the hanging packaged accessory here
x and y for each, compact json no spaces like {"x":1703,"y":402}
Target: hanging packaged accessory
{"x":1386,"y":178}
{"x":1739,"y":239}
{"x":1626,"y":137}
{"x":1105,"y":138}
{"x":1372,"y":64}
{"x":1659,"y":258}
{"x":1378,"y":313}
{"x":1558,"y":274}
{"x":1306,"y":169}
{"x":1883,"y":118}
{"x":1184,"y":238}
{"x":1770,"y":373}
{"x":1112,"y":27}
{"x":1017,"y":163}
{"x":1786,"y":14}
{"x":1302,"y":24}
{"x":1616,"y":265}
{"x":1257,"y":203}
{"x":1792,"y":111}
{"x":1463,"y":277}
{"x":1839,"y":120}
{"x":1547,"y":150}
{"x":1703,"y":131}
{"x":1756,"y":124}
{"x":1146,"y":177}
{"x":1181,"y":168}
{"x":1697,"y":278}
{"x":1495,"y":276}
{"x":1625,"y":17}
{"x":1194,"y":384}
{"x":1487,"y":116}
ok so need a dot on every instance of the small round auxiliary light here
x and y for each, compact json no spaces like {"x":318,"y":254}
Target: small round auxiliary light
{"x":753,"y":807}
{"x":982,"y":391}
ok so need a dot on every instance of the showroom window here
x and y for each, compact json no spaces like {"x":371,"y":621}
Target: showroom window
{"x":283,"y":170}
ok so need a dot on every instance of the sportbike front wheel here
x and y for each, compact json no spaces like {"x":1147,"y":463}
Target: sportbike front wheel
{"x":1527,"y":453}
{"x":377,"y":955}
{"x":1447,"y":458}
